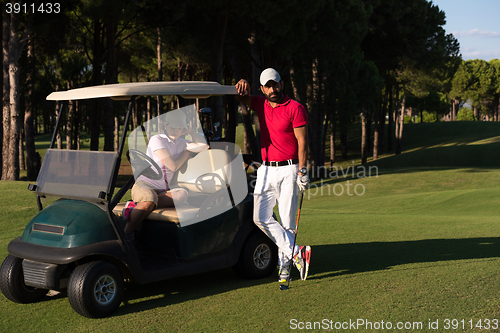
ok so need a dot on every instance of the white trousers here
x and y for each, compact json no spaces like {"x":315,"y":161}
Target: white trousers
{"x":277,"y":185}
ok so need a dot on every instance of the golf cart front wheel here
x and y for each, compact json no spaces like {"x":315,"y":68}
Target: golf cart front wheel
{"x":258,"y":258}
{"x":12,"y":282}
{"x":95,"y":289}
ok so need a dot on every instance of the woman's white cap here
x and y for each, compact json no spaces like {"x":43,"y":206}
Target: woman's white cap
{"x":176,"y":119}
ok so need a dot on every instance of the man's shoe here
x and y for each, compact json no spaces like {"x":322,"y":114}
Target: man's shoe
{"x":302,"y":261}
{"x":283,"y":274}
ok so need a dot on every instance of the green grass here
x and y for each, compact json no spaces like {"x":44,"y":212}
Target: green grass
{"x":419,"y":245}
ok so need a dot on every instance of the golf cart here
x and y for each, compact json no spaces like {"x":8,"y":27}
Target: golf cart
{"x":77,"y":241}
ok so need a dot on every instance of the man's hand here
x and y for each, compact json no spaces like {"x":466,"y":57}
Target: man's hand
{"x":243,"y":87}
{"x":302,"y":181}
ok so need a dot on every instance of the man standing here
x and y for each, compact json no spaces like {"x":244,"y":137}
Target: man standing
{"x":283,"y":127}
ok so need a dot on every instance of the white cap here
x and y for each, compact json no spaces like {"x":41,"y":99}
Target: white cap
{"x":269,"y":74}
{"x":176,"y":119}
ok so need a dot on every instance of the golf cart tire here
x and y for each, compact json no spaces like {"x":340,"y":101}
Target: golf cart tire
{"x":95,"y":289}
{"x":12,"y":283}
{"x":258,"y":257}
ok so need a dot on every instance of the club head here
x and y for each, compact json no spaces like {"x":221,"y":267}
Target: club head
{"x":216,"y":138}
{"x":206,"y":111}
{"x":283,"y":287}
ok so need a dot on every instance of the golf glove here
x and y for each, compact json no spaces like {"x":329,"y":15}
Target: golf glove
{"x":302,"y":181}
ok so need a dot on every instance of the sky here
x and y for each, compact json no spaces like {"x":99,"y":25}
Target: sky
{"x":476,"y":26}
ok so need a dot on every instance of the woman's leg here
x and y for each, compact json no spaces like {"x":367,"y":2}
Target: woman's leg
{"x":147,"y":200}
{"x":138,"y":214}
{"x":170,"y":198}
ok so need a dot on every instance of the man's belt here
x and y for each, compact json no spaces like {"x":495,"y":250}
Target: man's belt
{"x":280,"y":163}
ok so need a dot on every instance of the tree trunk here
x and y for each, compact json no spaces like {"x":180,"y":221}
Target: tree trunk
{"x":343,"y":143}
{"x":111,"y":77}
{"x":15,"y":108}
{"x":135,"y":121}
{"x":364,"y":138}
{"x":315,"y":118}
{"x":117,"y":133}
{"x":32,"y":158}
{"x":399,"y":139}
{"x":453,"y":110}
{"x":69,"y":122}
{"x":376,"y":132}
{"x":326,"y":125}
{"x":382,"y":117}
{"x":256,"y":70}
{"x":369,"y":142}
{"x":217,"y":66}
{"x":148,"y":117}
{"x":159,"y":98}
{"x":5,"y":94}
{"x":22,"y":159}
{"x":391,"y":120}
{"x":232,"y":119}
{"x":76,"y":131}
{"x":497,"y":102}
{"x":249,"y":140}
{"x":95,"y":113}
{"x":58,"y":135}
{"x":294,"y":84}
{"x":332,"y":140}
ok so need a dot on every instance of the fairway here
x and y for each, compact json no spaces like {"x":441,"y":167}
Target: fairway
{"x":409,"y":243}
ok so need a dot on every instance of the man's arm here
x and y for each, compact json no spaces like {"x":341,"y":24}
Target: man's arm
{"x":301,"y":136}
{"x":244,"y":92}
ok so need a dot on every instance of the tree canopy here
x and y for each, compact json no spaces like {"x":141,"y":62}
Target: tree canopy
{"x":347,"y":61}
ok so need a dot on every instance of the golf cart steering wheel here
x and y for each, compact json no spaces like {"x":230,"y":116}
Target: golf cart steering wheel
{"x":215,"y":204}
{"x":144,"y":165}
{"x":206,"y":182}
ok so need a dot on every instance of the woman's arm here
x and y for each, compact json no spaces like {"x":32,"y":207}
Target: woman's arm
{"x":199,"y":143}
{"x":169,"y":161}
{"x":197,"y":138}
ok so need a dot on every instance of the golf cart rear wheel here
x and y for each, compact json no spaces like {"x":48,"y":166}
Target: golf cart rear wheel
{"x":12,"y":282}
{"x":258,"y":258}
{"x":95,"y":289}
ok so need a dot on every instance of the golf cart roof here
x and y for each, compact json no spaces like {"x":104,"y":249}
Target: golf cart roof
{"x":124,"y":91}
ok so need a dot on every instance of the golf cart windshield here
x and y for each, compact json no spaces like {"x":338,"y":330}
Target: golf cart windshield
{"x":215,"y":178}
{"x":91,"y":175}
{"x":78,"y":174}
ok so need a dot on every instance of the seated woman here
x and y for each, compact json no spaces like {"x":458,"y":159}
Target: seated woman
{"x":170,"y":152}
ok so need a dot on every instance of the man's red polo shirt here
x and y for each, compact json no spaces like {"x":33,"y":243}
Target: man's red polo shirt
{"x":276,"y":127}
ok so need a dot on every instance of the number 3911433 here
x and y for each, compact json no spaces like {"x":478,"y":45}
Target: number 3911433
{"x":42,"y":8}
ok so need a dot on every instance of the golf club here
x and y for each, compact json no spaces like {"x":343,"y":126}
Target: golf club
{"x":283,"y":286}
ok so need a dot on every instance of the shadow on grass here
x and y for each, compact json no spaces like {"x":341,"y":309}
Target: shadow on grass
{"x":161,"y":294}
{"x":327,"y":261}
{"x":448,"y":157}
{"x":340,"y":259}
{"x":474,"y":158}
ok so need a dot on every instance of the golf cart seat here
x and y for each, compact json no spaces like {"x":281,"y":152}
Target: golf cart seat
{"x":162,"y":214}
{"x":203,"y":175}
{"x":206,"y":173}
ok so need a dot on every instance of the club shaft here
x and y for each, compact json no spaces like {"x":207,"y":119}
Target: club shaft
{"x":295,"y":236}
